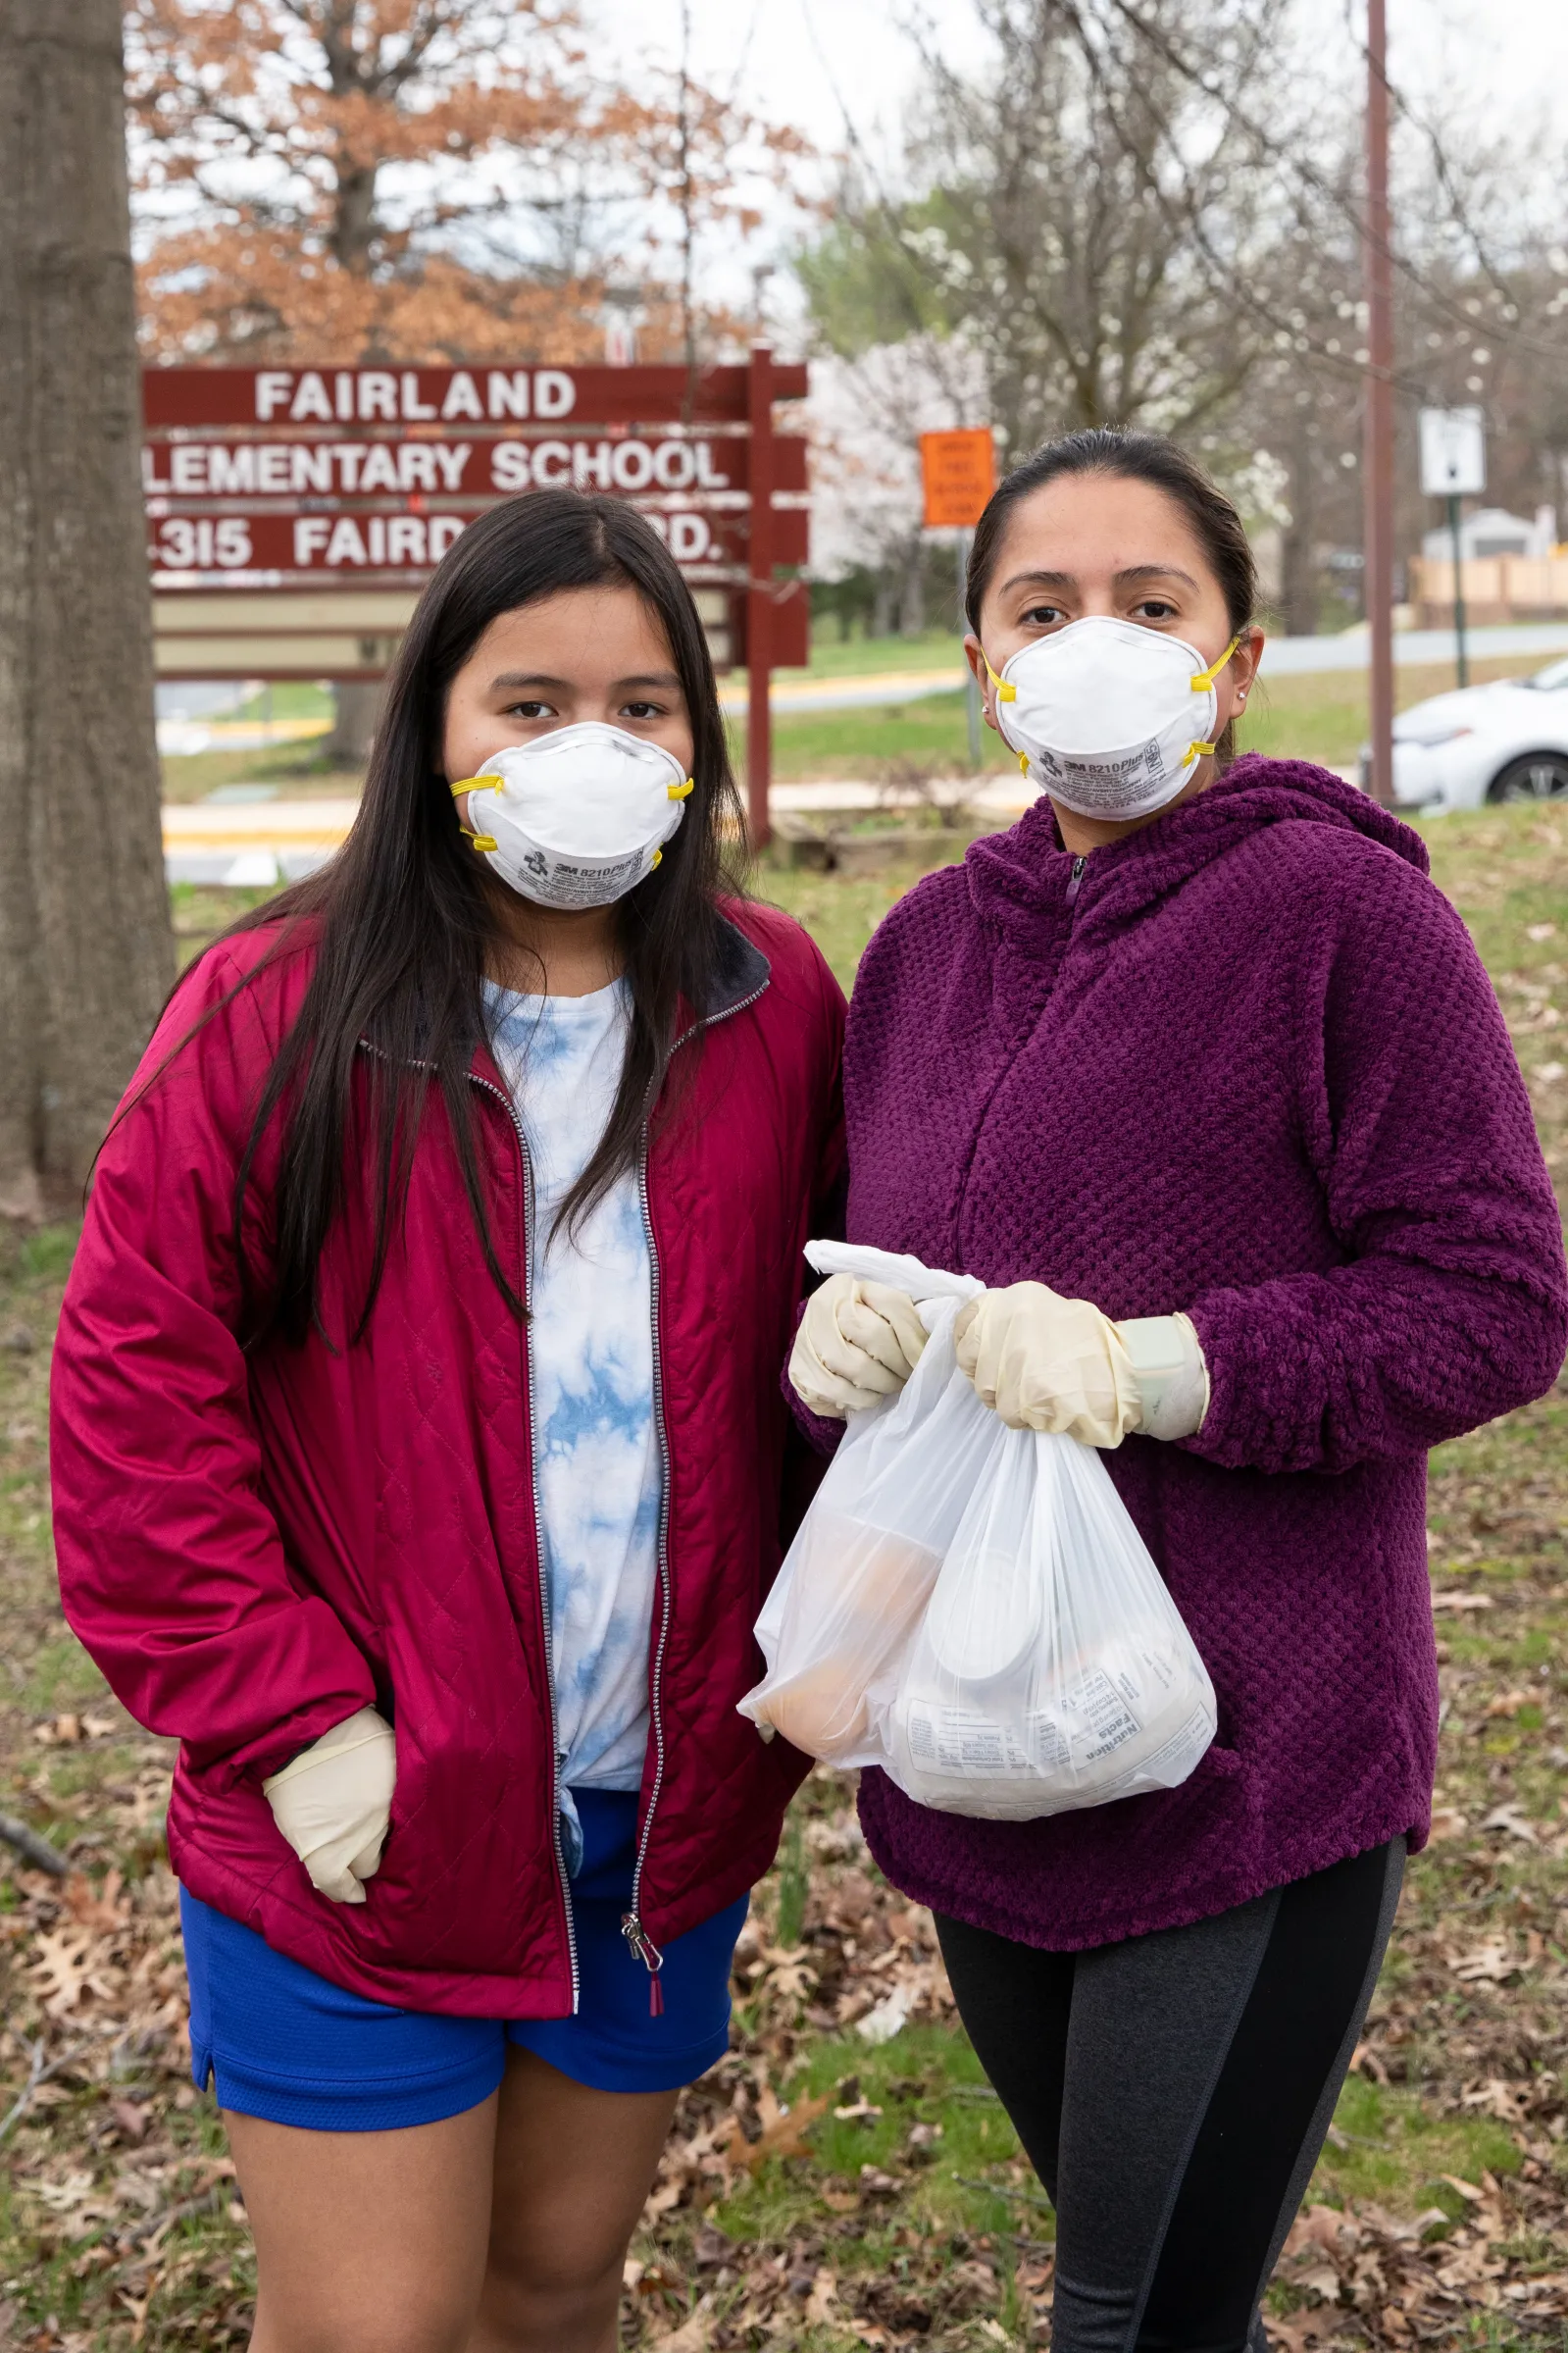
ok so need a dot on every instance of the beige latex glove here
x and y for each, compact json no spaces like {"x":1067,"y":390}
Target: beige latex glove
{"x":1044,"y":1363}
{"x":858,"y":1343}
{"x":333,"y":1804}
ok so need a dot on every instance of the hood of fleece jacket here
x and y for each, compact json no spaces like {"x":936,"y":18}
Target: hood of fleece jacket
{"x":1013,"y":876}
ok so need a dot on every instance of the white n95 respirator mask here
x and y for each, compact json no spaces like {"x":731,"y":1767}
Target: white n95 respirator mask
{"x":1110,"y":717}
{"x":577,"y":817}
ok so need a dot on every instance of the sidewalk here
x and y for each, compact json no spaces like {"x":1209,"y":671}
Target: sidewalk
{"x":256,"y":845}
{"x":843,"y":693}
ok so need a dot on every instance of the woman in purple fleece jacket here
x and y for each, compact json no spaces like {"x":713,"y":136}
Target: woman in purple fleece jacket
{"x":1202,"y":1077}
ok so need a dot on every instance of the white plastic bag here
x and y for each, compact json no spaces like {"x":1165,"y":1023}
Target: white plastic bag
{"x":971,"y":1608}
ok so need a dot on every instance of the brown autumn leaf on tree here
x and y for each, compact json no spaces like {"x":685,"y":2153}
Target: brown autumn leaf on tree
{"x":430,"y":180}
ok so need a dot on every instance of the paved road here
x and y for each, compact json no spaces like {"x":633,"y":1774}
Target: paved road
{"x":1352,"y":649}
{"x":257,"y":845}
{"x":1285,"y":657}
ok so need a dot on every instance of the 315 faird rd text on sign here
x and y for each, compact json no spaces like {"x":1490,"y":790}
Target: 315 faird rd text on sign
{"x":404,"y":543}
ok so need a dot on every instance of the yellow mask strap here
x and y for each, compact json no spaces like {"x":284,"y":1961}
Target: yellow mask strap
{"x":683,"y":791}
{"x":1195,"y":751}
{"x":1206,"y":677}
{"x":478,"y":783}
{"x":1004,"y":694}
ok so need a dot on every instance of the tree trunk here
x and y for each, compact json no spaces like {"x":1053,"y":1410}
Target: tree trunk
{"x":1299,"y":583}
{"x":357,"y":708}
{"x":85,"y":948}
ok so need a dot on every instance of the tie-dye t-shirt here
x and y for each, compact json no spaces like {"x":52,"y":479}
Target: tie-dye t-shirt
{"x":591,"y":1339}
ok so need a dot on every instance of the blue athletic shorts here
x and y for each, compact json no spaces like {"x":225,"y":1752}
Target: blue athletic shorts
{"x":276,"y":2040}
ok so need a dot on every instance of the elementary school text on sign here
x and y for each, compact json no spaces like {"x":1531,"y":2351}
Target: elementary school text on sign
{"x":634,"y":464}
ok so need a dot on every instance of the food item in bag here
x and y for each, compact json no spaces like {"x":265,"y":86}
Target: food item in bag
{"x":856,"y":1596}
{"x":1128,"y":1717}
{"x":1145,"y":1707}
{"x":975,"y":1646}
{"x":1052,"y":1669}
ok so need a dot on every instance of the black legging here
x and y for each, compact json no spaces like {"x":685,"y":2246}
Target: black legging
{"x":1173,"y":2094}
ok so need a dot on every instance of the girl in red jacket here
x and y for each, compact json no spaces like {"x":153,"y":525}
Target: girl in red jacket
{"x":419,"y":1458}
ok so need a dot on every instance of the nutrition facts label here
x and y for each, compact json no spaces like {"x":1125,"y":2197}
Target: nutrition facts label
{"x":1089,"y":1723}
{"x":1104,"y":1718}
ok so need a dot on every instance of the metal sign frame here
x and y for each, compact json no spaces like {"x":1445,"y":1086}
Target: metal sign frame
{"x":1453,"y":452}
{"x":1453,"y":466}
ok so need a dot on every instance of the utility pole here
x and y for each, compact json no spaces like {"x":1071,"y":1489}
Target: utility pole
{"x":1377,"y":456}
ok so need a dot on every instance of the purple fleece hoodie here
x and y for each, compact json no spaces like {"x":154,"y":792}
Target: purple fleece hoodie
{"x":1246,"y":1064}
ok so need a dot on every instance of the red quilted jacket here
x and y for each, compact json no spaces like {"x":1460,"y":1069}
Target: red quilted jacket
{"x":252,"y":1545}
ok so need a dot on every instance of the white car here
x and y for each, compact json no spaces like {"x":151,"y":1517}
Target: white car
{"x":1508,"y":741}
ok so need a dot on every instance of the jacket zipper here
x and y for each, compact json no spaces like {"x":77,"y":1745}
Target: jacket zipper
{"x":510,"y":1108}
{"x":1075,"y":878}
{"x":637,"y":1938}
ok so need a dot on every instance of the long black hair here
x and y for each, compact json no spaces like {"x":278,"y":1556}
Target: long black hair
{"x":402,"y":918}
{"x":1129,"y":457}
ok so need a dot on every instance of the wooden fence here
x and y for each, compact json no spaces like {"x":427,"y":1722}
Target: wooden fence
{"x":1497,"y":587}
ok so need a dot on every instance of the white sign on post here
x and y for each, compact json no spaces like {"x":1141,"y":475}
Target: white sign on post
{"x":1453,"y":452}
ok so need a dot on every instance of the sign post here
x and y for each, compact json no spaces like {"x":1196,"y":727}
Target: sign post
{"x":293,"y":514}
{"x":759,"y":602}
{"x":958,"y":474}
{"x":1461,"y":658}
{"x":1453,"y":466}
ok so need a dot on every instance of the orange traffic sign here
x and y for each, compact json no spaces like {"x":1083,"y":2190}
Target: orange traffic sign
{"x":959,"y":473}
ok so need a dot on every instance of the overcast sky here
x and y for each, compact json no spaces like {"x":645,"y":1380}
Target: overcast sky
{"x":800,"y":58}
{"x":1500,"y":65}
{"x":1493,"y":64}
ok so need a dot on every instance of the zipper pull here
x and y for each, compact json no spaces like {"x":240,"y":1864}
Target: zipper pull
{"x":652,"y":1960}
{"x":1075,"y":878}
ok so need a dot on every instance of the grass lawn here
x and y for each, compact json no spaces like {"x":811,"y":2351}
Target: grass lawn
{"x":845,"y":2177}
{"x":863,"y":657}
{"x":287,"y":698}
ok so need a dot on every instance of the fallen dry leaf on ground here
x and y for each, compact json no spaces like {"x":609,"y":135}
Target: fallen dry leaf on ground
{"x":782,"y":2133}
